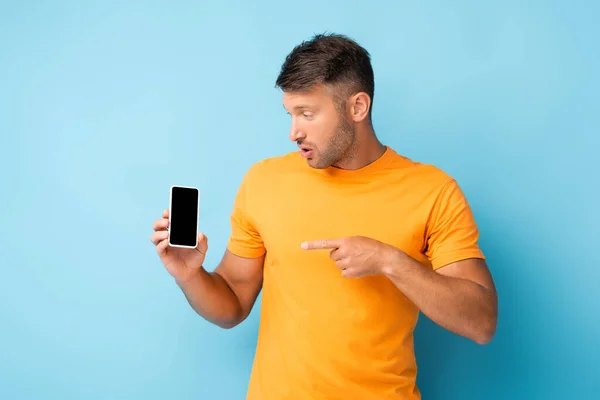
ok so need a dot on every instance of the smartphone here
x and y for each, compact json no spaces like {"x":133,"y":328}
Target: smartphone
{"x":184,"y":209}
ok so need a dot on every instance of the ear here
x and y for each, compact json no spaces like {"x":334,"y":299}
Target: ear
{"x":360,"y":104}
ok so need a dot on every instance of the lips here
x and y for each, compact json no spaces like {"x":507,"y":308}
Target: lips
{"x":306,"y":153}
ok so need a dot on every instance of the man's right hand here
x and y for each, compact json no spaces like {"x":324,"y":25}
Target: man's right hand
{"x":183,"y":264}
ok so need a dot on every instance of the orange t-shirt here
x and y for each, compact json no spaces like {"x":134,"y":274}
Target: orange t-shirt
{"x":323,"y":336}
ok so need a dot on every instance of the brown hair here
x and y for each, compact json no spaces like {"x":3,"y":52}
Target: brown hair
{"x":333,"y":60}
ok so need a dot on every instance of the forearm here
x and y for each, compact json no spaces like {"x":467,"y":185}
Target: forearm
{"x":458,"y":305}
{"x":212,"y":298}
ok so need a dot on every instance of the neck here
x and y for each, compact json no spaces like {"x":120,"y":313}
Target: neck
{"x":366,"y":149}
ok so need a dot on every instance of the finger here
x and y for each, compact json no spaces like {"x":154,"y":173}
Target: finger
{"x":343,"y":264}
{"x":161,"y":247}
{"x":321,"y":244}
{"x":166,"y":213}
{"x":160,"y":224}
{"x":202,"y":243}
{"x":159,"y":236}
{"x":348,"y":273}
{"x":336,"y":254}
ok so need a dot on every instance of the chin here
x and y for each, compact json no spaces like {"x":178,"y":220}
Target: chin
{"x":315,"y":164}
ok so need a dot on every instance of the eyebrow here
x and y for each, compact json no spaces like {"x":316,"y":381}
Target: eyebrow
{"x":298,"y":107}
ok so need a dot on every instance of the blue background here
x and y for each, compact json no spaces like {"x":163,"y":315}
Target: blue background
{"x":104,"y":105}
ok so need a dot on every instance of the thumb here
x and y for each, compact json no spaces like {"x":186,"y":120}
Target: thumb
{"x":202,"y":243}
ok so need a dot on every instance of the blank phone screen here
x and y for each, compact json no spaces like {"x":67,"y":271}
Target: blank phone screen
{"x":184,"y":216}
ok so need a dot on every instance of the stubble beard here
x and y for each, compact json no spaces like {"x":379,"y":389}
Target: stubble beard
{"x":339,"y":148}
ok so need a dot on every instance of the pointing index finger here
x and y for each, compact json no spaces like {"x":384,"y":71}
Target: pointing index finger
{"x":321,"y":244}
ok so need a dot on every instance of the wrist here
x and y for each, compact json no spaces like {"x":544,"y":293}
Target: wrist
{"x":393,"y":261}
{"x":190,"y":278}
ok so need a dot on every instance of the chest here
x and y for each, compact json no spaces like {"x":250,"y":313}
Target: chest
{"x":388,"y":213}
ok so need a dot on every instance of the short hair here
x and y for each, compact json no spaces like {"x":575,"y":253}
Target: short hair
{"x":333,"y":60}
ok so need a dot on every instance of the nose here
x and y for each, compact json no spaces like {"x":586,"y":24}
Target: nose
{"x":296,"y":134}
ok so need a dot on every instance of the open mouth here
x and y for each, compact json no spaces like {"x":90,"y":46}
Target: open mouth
{"x":306,"y":153}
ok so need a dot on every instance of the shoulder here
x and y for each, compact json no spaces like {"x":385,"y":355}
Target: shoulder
{"x":267,"y":169}
{"x":420,"y":175}
{"x":275,"y":163}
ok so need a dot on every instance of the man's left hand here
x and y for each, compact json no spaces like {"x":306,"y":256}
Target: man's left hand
{"x":356,"y":256}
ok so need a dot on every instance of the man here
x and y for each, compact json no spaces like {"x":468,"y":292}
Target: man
{"x":347,"y":239}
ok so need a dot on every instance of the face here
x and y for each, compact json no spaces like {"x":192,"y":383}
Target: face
{"x":324,"y":135}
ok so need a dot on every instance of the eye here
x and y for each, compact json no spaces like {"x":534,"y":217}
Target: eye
{"x":307,"y":115}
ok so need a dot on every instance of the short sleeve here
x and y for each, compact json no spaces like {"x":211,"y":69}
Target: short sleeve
{"x":245,"y":240}
{"x":452,"y":234}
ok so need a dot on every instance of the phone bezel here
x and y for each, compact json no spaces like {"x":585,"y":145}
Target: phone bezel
{"x":170,"y":213}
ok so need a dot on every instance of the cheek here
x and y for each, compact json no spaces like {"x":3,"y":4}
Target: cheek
{"x":319,"y":132}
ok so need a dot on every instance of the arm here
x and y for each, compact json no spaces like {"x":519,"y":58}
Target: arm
{"x":226,"y":296}
{"x":456,"y":291}
{"x":460,"y":296}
